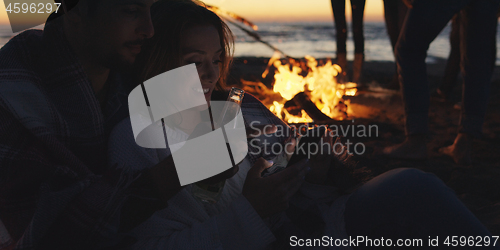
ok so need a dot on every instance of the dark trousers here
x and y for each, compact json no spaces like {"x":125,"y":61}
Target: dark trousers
{"x":409,"y":204}
{"x":453,"y":64}
{"x":423,"y":23}
{"x":358,"y":7}
{"x":394,"y":16}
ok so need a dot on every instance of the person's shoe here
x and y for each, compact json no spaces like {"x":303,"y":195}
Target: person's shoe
{"x":413,"y":148}
{"x":357,"y":67}
{"x":342,"y":62}
{"x":461,"y":149}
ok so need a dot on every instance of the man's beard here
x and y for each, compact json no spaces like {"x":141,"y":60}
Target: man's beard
{"x":117,"y":62}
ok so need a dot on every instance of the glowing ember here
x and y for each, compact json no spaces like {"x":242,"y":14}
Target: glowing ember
{"x":319,"y":84}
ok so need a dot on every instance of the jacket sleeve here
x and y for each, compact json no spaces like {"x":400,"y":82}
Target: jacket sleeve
{"x":237,"y":227}
{"x":42,"y":198}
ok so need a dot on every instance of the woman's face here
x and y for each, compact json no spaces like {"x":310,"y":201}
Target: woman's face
{"x":201,"y":45}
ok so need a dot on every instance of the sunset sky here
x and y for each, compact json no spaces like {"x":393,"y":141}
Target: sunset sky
{"x":277,"y":10}
{"x":3,"y":15}
{"x":293,"y":10}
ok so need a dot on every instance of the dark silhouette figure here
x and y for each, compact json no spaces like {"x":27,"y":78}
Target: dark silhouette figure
{"x":424,"y":22}
{"x":453,"y":64}
{"x":358,"y":8}
{"x":394,"y":16}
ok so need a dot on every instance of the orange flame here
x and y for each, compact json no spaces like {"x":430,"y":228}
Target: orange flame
{"x":319,"y":83}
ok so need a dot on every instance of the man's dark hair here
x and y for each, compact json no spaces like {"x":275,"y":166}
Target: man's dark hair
{"x":69,"y":4}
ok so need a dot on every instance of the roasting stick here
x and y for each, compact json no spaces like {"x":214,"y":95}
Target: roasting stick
{"x":258,"y":38}
{"x":251,"y":33}
{"x":233,"y":15}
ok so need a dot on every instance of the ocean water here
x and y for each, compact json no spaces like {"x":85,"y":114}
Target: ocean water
{"x":316,"y":39}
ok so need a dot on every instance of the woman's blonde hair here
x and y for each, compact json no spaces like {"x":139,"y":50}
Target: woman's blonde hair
{"x":163,"y":51}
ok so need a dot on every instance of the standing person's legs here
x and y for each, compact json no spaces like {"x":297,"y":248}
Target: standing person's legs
{"x":478,"y":54}
{"x":391,"y":17}
{"x":479,"y":50}
{"x":402,"y":10}
{"x":453,"y":63}
{"x":394,"y":15}
{"x":358,"y":9}
{"x":409,"y":204}
{"x":423,"y":23}
{"x":338,"y":7}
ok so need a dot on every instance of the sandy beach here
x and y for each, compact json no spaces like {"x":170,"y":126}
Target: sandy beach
{"x":477,"y":185}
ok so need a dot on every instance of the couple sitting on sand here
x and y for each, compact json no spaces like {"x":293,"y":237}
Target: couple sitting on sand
{"x":60,"y":114}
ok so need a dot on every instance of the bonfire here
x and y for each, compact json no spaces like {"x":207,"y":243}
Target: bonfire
{"x":303,"y":91}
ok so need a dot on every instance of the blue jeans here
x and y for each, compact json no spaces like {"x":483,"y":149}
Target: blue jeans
{"x":358,"y":8}
{"x":423,"y":23}
{"x":409,"y":204}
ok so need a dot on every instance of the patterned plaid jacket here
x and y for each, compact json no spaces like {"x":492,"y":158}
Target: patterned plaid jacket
{"x":55,"y":190}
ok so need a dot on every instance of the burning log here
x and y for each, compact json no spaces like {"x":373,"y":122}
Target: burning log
{"x":302,"y":100}
{"x":341,"y":110}
{"x":292,"y":108}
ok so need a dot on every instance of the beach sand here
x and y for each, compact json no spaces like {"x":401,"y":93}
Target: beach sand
{"x":477,"y":185}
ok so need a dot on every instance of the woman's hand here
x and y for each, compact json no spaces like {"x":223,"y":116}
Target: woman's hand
{"x":251,"y":132}
{"x":257,"y":130}
{"x":270,"y":195}
{"x":320,"y":162}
